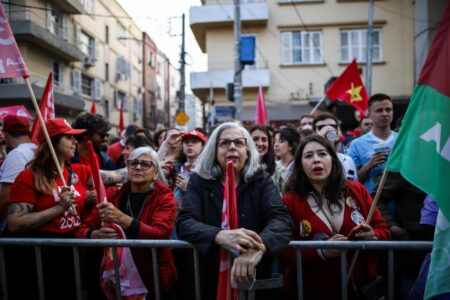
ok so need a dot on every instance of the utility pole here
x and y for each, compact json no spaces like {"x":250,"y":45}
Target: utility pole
{"x":237,"y":60}
{"x":369,"y":50}
{"x":182,"y":67}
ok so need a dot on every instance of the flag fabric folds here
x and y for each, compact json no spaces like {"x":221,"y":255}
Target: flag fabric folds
{"x":422,"y":151}
{"x":349,"y":88}
{"x":229,"y":221}
{"x":93,"y":108}
{"x":121,"y":126}
{"x":46,"y":107}
{"x":11,"y":61}
{"x":261,"y":112}
{"x":132,"y":286}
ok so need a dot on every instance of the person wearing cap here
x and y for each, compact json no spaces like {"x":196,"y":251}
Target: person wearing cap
{"x":16,"y":131}
{"x":40,"y":206}
{"x":96,"y":130}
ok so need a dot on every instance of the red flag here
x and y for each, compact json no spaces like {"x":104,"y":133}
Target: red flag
{"x":93,"y":108}
{"x":46,"y":107}
{"x":349,"y":88}
{"x":261,"y":112}
{"x":11,"y":61}
{"x":132,"y":286}
{"x":121,"y":118}
{"x":229,"y":221}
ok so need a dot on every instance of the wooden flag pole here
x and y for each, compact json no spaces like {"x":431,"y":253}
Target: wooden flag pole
{"x":318,"y":104}
{"x":72,"y":209}
{"x":369,"y":218}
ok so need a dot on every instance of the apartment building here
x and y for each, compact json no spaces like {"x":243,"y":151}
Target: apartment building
{"x":94,"y":50}
{"x":300,"y":46}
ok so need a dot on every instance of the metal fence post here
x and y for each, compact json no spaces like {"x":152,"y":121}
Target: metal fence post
{"x":198,"y":295}
{"x":298,"y":261}
{"x":156,"y":273}
{"x":76,"y":267}
{"x":344,"y":279}
{"x":40,"y":274}
{"x":391,"y":275}
{"x":3,"y":283}
{"x":116,"y":273}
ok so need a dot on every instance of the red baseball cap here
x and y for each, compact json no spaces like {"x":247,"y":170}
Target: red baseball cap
{"x":13,"y":123}
{"x":58,"y":126}
{"x":194,"y":134}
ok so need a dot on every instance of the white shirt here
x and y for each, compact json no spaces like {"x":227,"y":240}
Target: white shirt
{"x":348,"y":166}
{"x":15,"y":162}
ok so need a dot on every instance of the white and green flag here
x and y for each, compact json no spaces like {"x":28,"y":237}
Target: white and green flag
{"x":422,"y":151}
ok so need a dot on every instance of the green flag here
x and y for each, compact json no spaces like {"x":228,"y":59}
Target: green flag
{"x":422,"y":151}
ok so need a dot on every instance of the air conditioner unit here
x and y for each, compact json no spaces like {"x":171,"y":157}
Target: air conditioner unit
{"x":89,"y":61}
{"x":140,"y":90}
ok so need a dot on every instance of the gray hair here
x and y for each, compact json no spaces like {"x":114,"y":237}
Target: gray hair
{"x":207,"y":165}
{"x":147,"y":150}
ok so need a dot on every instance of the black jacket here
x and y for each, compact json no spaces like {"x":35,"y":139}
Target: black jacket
{"x":260,"y":209}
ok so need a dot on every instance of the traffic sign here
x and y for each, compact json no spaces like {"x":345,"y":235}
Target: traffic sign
{"x":182,"y":118}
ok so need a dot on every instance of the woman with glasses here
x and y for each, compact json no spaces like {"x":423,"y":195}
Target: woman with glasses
{"x":264,"y":223}
{"x":145,"y":209}
{"x":325,"y":206}
{"x":285,"y":145}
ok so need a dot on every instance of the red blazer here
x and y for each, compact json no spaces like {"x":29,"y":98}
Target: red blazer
{"x":321,"y":279}
{"x":157,"y":220}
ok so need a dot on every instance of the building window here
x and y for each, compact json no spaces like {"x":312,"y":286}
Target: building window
{"x":354,"y":42}
{"x":301,"y":47}
{"x":88,"y":6}
{"x":106,"y":72}
{"x":151,"y":59}
{"x":120,"y":97}
{"x":121,"y":34}
{"x":87,"y":44}
{"x":106,"y":34}
{"x":87,"y":85}
{"x":58,"y":73}
{"x":57,"y":22}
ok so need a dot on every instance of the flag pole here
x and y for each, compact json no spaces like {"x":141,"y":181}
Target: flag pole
{"x":318,"y":104}
{"x":369,"y":218}
{"x":47,"y":138}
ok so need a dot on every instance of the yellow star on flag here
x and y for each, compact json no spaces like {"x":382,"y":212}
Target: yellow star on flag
{"x":355,"y":93}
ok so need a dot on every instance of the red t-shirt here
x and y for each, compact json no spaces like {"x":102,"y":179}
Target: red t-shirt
{"x":23,"y":190}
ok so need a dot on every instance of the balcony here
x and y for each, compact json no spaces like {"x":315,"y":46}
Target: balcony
{"x":14,"y":92}
{"x":70,"y":6}
{"x":222,"y":15}
{"x":28,"y":25}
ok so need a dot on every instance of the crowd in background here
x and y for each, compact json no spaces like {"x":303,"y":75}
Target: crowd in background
{"x":313,"y":182}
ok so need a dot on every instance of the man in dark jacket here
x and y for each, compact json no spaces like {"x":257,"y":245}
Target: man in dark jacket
{"x":262,"y":217}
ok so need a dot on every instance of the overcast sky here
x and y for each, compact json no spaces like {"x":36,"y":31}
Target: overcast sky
{"x":157,"y":18}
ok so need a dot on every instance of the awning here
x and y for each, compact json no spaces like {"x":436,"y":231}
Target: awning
{"x":282,"y":112}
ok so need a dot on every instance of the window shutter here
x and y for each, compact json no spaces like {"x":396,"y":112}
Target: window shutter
{"x":115,"y":97}
{"x":76,"y":77}
{"x":65,"y":27}
{"x":48,"y":17}
{"x":61,"y":74}
{"x":78,"y":35}
{"x":97,"y":89}
{"x":286,"y":48}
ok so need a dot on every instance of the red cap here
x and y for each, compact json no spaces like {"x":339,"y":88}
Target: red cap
{"x":194,"y":134}
{"x":58,"y":126}
{"x":13,"y":123}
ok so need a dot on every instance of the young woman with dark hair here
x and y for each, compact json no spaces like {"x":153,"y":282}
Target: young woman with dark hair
{"x":324,"y":206}
{"x":285,"y":145}
{"x":264,"y":144}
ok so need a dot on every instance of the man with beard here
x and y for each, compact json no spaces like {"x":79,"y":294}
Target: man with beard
{"x":97,"y":128}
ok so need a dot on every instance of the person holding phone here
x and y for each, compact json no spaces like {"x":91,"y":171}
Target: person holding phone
{"x":325,"y":206}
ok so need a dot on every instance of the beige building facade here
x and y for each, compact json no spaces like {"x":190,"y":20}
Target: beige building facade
{"x":300,"y":46}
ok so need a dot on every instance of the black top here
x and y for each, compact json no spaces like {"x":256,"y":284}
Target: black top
{"x":132,"y":204}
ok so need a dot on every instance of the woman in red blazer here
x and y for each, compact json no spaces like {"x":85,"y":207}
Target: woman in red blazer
{"x":145,"y":209}
{"x":326,"y":207}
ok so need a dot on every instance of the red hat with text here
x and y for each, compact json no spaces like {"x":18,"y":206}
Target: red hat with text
{"x":58,"y":126}
{"x":13,"y":123}
{"x":194,"y":134}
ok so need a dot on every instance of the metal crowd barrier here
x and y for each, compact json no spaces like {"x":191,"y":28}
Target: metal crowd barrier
{"x":75,"y":244}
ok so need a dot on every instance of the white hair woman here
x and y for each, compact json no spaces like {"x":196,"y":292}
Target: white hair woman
{"x":264,"y":223}
{"x":145,"y":208}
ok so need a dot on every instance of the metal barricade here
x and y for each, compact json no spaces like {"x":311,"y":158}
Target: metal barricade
{"x":344,"y":246}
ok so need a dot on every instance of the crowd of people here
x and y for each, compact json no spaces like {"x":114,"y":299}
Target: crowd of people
{"x":305,"y":183}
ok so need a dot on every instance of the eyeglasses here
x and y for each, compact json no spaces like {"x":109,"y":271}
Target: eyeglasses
{"x":103,"y":134}
{"x":319,"y":127}
{"x":145,"y":164}
{"x":238,"y":143}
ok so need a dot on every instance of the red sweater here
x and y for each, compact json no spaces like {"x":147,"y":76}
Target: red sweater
{"x":321,"y":279}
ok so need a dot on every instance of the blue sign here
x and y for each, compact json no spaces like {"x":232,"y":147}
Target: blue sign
{"x":224,"y":112}
{"x":248,"y":50}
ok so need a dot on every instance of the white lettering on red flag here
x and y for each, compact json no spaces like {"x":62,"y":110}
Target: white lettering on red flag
{"x":11,"y":61}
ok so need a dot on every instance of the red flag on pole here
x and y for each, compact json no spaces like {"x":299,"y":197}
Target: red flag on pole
{"x":132,"y":286}
{"x":349,"y":88}
{"x":11,"y":61}
{"x":261,"y":112}
{"x":46,"y":107}
{"x":229,"y":221}
{"x":121,"y":118}
{"x":93,"y":108}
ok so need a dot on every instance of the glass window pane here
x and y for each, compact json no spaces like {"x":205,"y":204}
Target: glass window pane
{"x":344,"y":54}
{"x":317,"y":57}
{"x":344,"y":38}
{"x":375,"y":37}
{"x":296,"y":56}
{"x":307,"y":56}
